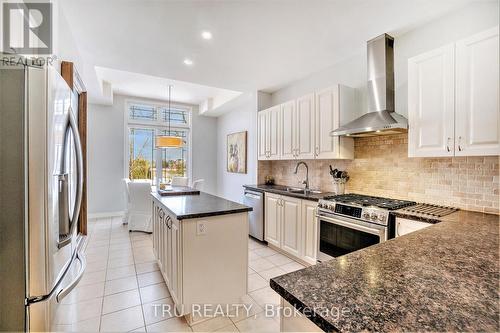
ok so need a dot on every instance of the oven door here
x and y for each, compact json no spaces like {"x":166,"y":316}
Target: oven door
{"x":340,"y":235}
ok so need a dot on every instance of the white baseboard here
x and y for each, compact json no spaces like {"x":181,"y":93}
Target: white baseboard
{"x":105,"y":215}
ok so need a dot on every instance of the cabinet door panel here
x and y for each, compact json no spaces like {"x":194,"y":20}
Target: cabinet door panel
{"x":288,"y":129}
{"x":274,"y":132}
{"x":327,"y":119}
{"x":175,"y":262}
{"x":477,"y":86}
{"x":309,"y":231}
{"x":261,"y":127}
{"x":291,"y":225}
{"x":272,"y":218}
{"x":305,"y":127}
{"x":431,"y":86}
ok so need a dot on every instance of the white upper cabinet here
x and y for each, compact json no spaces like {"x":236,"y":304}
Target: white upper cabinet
{"x":477,"y":112}
{"x":453,"y":93}
{"x":300,"y":129}
{"x":268,"y":123}
{"x":262,"y":135}
{"x":305,"y":127}
{"x":431,"y":80}
{"x":289,"y":130}
{"x":334,"y":106}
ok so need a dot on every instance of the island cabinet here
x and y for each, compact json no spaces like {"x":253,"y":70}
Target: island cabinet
{"x":453,"y":99}
{"x":291,"y":226}
{"x":203,"y":257}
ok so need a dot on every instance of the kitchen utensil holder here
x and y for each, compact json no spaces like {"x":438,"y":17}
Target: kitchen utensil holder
{"x":339,"y":186}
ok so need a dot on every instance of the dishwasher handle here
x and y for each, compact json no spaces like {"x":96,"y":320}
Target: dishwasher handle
{"x":253,"y":195}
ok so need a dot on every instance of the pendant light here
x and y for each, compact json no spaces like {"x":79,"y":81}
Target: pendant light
{"x":168,"y":141}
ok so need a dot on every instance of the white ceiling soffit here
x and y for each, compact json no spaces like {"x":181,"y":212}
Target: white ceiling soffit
{"x":256,"y":45}
{"x":147,"y":86}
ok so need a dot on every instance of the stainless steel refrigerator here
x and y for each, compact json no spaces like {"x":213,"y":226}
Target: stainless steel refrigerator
{"x":40,"y":195}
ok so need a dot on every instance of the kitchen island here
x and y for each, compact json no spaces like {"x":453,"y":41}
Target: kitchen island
{"x":442,"y":278}
{"x":201,"y":244}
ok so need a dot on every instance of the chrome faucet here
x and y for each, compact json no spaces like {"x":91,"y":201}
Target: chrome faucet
{"x":305,"y":182}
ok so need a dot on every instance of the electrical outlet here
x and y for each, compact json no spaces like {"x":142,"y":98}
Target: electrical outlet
{"x":201,"y":228}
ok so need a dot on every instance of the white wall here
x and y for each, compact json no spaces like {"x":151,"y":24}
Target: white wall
{"x":106,"y":154}
{"x":241,"y":116}
{"x":352,"y":72}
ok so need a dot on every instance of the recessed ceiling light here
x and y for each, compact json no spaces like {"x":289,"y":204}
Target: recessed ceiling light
{"x":206,"y":35}
{"x":188,"y":62}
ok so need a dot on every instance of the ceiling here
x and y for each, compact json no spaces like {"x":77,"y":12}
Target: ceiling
{"x":257,"y":45}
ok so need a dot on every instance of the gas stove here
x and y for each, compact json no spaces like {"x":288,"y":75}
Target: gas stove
{"x":361,"y":207}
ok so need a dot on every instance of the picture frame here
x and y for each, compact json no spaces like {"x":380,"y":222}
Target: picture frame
{"x":236,"y":152}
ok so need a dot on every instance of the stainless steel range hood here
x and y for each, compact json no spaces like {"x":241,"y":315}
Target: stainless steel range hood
{"x":381,"y":118}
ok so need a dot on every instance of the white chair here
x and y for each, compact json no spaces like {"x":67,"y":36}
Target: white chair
{"x":126,"y":181}
{"x":198,"y":184}
{"x":139,"y":212}
{"x":180,"y":181}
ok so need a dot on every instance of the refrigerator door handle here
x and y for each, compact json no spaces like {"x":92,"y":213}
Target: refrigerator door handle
{"x":65,"y":237}
{"x":66,"y":290}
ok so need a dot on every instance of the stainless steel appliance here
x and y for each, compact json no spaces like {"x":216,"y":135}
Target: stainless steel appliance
{"x":380,"y":118}
{"x":41,"y":182}
{"x":255,"y":200}
{"x":350,"y":222}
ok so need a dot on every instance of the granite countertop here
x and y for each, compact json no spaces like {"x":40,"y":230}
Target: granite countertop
{"x":202,"y":205}
{"x":441,"y":278}
{"x":281,"y":189}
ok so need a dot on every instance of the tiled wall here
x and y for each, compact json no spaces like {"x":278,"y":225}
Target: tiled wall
{"x":381,"y":167}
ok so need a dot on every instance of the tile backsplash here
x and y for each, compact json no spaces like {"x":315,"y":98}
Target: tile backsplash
{"x":381,"y":167}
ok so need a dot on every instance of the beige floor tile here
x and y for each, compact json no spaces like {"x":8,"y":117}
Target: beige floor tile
{"x":247,"y":309}
{"x":85,"y":292}
{"x":265,"y":252}
{"x":255,"y":281}
{"x":123,"y":321}
{"x":68,"y":314}
{"x":158,"y":310}
{"x":92,"y":277}
{"x":260,"y":264}
{"x":253,"y":256}
{"x":120,"y":272}
{"x":211,"y":324}
{"x":120,"y":285}
{"x":120,"y":246}
{"x":141,"y":329}
{"x":144,"y":257}
{"x":97,"y":243}
{"x":292,"y":267}
{"x":93,"y":257}
{"x":265,"y":296}
{"x":120,"y":262}
{"x":253,"y":244}
{"x":259,"y":323}
{"x":154,"y":292}
{"x":278,"y":259}
{"x":174,"y":324}
{"x":121,"y":253}
{"x":270,"y":273}
{"x":147,"y":267}
{"x":142,"y":243}
{"x":120,"y":301}
{"x":119,"y":239}
{"x":96,"y":266}
{"x":89,"y":325}
{"x":229,"y":328}
{"x":150,"y":278}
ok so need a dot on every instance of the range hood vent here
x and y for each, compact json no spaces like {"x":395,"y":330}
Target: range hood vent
{"x":380,"y":118}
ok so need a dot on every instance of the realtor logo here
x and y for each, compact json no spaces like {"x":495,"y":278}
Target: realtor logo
{"x":27,"y":28}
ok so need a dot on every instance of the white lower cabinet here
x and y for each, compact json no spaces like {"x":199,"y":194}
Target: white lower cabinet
{"x":290,"y":225}
{"x":201,"y":267}
{"x":405,"y":226}
{"x":309,"y":231}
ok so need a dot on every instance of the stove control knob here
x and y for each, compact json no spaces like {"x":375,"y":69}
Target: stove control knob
{"x":331,"y":207}
{"x":373,"y":216}
{"x":320,"y":205}
{"x":366,"y":215}
{"x":381,"y":217}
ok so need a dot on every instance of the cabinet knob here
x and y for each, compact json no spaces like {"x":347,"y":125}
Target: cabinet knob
{"x":460,"y":144}
{"x":448,"y":145}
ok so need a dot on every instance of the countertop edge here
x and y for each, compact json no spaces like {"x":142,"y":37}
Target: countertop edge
{"x":319,"y":321}
{"x":288,"y":194}
{"x":211,"y":214}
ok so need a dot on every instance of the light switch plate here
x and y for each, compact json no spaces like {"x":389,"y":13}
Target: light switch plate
{"x":201,"y":228}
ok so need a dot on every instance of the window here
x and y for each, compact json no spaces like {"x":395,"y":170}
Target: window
{"x":145,"y":122}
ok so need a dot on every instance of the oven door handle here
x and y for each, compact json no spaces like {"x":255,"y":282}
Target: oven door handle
{"x":374,"y":231}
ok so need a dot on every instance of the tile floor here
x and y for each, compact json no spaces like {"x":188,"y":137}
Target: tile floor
{"x":122,"y":282}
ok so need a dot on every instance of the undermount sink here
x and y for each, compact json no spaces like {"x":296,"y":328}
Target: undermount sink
{"x":301,"y":191}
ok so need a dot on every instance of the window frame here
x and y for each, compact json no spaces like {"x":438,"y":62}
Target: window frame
{"x":156,"y":125}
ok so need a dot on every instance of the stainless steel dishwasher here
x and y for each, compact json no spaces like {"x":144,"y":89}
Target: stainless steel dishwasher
{"x":256,"y":216}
